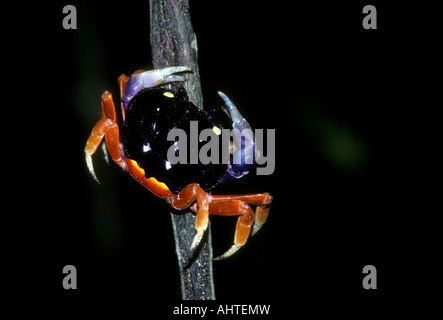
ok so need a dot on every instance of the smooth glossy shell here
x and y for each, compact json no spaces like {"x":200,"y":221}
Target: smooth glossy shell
{"x":150,"y":115}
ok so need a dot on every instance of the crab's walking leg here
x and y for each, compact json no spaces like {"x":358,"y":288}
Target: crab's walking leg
{"x":261,"y":215}
{"x":232,"y":205}
{"x":261,"y":200}
{"x":244,"y":222}
{"x":122,"y":80}
{"x":107,"y":127}
{"x":184,"y":199}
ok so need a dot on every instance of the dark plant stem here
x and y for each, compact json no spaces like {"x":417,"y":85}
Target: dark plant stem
{"x":174,"y":43}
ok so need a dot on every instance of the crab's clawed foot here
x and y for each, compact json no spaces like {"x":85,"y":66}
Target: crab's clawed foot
{"x":242,"y":230}
{"x":92,"y":144}
{"x":197,"y":239}
{"x":201,"y":219}
{"x":106,"y":127}
{"x":149,"y":79}
{"x":261,"y":215}
{"x":88,"y":159}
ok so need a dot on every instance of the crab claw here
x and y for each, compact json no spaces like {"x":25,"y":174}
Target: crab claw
{"x":244,"y":154}
{"x":228,"y":253}
{"x":167,"y":75}
{"x":88,"y":159}
{"x":150,"y":79}
{"x":231,"y":110}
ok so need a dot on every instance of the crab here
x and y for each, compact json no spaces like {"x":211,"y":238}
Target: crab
{"x":139,"y":146}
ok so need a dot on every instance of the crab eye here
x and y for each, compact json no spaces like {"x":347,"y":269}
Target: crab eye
{"x":168,"y":94}
{"x":216,"y":130}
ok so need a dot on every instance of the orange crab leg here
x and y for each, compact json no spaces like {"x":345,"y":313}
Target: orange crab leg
{"x":261,"y":200}
{"x":244,"y":222}
{"x":191,"y":193}
{"x":261,"y":215}
{"x":122,"y":79}
{"x":106,"y":128}
{"x":232,"y":205}
{"x":233,"y":208}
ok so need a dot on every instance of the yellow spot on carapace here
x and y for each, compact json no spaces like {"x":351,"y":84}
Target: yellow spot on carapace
{"x":216,"y":130}
{"x":168,"y":94}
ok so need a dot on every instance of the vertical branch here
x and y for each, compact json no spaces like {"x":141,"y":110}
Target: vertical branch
{"x":174,"y":43}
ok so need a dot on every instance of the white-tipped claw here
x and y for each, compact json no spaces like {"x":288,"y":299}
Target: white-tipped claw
{"x":88,"y":159}
{"x":256,"y":227}
{"x":171,"y":70}
{"x":157,"y":77}
{"x":231,"y":109}
{"x":238,"y":122}
{"x":105,"y":153}
{"x":228,"y":253}
{"x":227,"y":101}
{"x":197,"y":238}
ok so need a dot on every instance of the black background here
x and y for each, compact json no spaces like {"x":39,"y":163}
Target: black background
{"x":352,"y":176}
